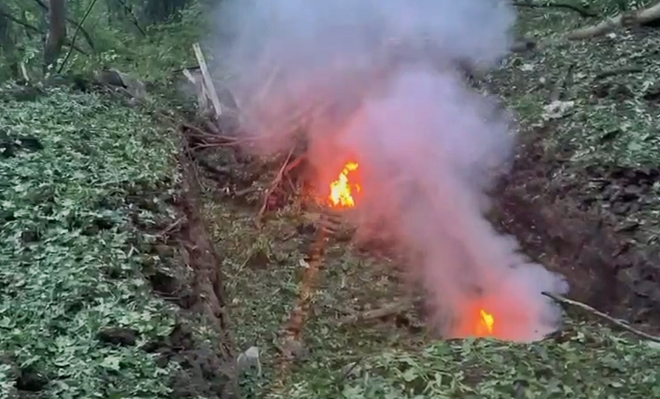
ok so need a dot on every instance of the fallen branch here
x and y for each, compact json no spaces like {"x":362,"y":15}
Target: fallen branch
{"x":210,"y":139}
{"x":276,"y":182}
{"x":388,"y":310}
{"x":208,"y":82}
{"x":626,"y":19}
{"x":589,"y":309}
{"x":584,"y":13}
{"x":618,"y":71}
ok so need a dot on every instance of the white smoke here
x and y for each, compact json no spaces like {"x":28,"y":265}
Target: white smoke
{"x":428,"y":147}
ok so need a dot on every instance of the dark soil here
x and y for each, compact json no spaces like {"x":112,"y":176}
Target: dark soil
{"x":189,"y":276}
{"x":572,"y":221}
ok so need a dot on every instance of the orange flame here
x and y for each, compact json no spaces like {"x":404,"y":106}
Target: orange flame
{"x":486,"y":323}
{"x":341,"y":190}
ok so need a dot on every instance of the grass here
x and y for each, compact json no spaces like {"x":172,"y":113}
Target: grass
{"x":71,"y":265}
{"x":383,"y":360}
{"x":591,"y":362}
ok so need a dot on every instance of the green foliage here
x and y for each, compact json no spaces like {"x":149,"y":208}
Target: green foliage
{"x":165,"y":48}
{"x":70,"y":259}
{"x":606,"y":85}
{"x":589,"y":363}
{"x":117,"y":33}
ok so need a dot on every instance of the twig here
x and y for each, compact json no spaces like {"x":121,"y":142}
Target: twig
{"x":350,"y":369}
{"x":171,"y":227}
{"x":75,"y":34}
{"x":272,"y":187}
{"x":584,"y":13}
{"x":18,"y":21}
{"x":563,"y":84}
{"x":589,"y":309}
{"x":246,"y":191}
{"x":217,"y":139}
{"x":135,"y":20}
{"x":295,"y":163}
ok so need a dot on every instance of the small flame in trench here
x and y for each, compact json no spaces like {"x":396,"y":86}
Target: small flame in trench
{"x":341,"y":190}
{"x":485,"y":324}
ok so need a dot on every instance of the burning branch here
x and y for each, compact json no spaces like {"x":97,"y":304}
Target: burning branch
{"x":589,"y":309}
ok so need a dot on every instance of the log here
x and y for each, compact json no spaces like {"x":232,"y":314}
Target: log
{"x":640,"y":17}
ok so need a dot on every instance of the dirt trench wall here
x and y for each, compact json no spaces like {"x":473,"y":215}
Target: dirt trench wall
{"x":544,"y":204}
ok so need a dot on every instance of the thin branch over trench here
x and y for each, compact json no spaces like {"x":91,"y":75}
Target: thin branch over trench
{"x":610,"y":319}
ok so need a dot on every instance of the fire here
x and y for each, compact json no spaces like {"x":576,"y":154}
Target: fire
{"x":486,"y":323}
{"x":342,"y":190}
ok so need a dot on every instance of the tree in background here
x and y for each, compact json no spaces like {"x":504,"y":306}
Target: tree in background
{"x":155,"y":11}
{"x":56,"y":32}
{"x":150,"y":38}
{"x":153,"y":38}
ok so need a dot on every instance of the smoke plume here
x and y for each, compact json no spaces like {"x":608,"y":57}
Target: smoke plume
{"x":377,"y":82}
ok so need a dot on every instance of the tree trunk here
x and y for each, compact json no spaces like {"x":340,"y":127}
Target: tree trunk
{"x":7,"y":45}
{"x":56,"y":32}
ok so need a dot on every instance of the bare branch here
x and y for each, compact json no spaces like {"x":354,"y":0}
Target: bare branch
{"x":589,"y":309}
{"x":584,"y":13}
{"x":135,"y":20}
{"x":75,"y":34}
{"x":19,"y":22}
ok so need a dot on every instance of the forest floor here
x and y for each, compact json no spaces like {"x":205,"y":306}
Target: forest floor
{"x":582,"y":199}
{"x":132,"y":270}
